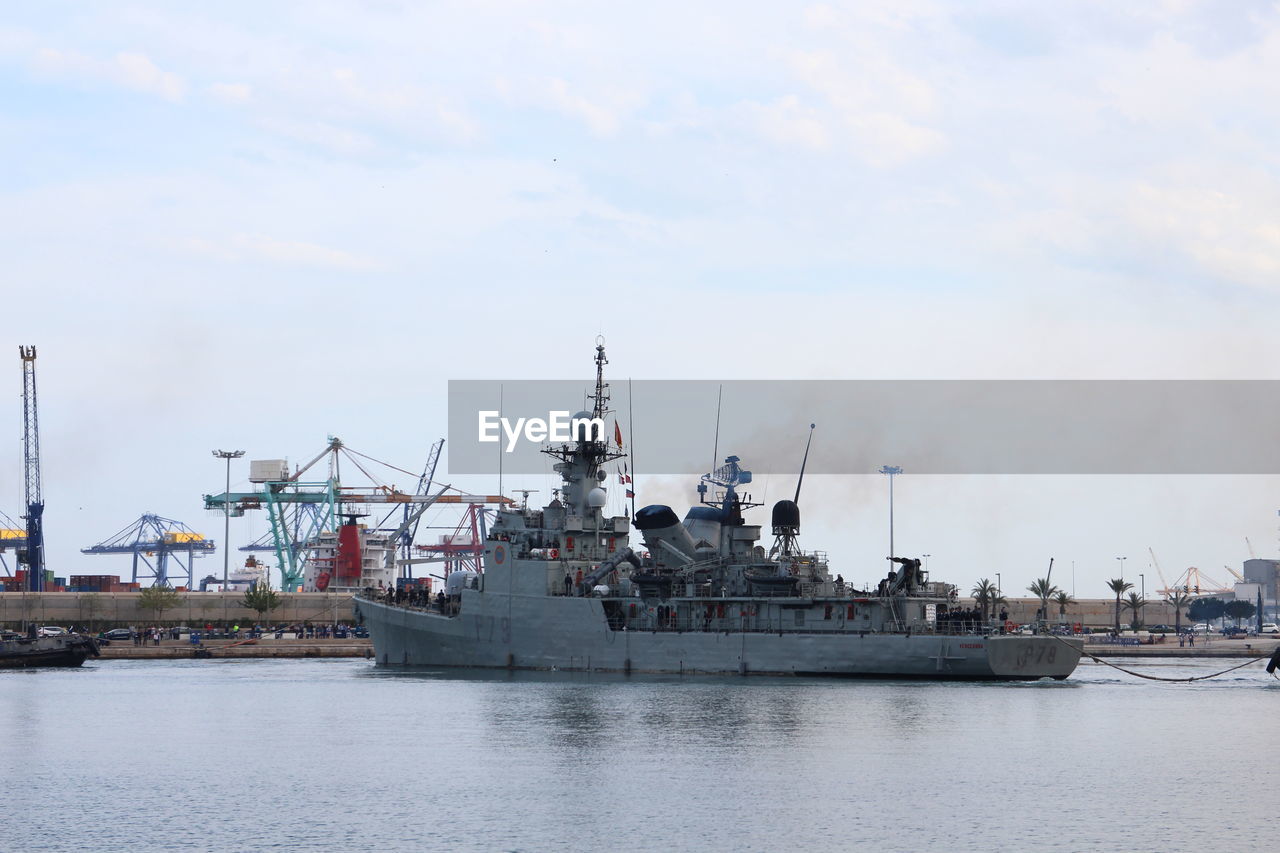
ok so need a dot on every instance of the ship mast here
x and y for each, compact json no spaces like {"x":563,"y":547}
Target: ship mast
{"x":581,"y":461}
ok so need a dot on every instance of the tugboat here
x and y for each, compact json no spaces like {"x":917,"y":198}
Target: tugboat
{"x":562,"y":590}
{"x":18,"y":651}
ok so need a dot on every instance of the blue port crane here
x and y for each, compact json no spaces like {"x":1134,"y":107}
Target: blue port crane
{"x":155,"y":543}
{"x":33,"y":555}
{"x":408,"y":530}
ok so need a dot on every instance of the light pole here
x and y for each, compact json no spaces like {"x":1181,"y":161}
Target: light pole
{"x":997,"y":584}
{"x":1122,"y":559}
{"x":891,"y":470}
{"x":226,"y":527}
{"x":1142,"y":579}
{"x":926,"y":561}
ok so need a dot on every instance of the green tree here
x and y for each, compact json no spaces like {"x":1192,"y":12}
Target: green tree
{"x":1206,"y":609}
{"x":1134,"y":603}
{"x":90,"y":608}
{"x":260,"y":597}
{"x":158,"y":599}
{"x":1043,"y":590}
{"x":984,"y":592}
{"x":1238,"y":610}
{"x":1063,"y":599}
{"x":1178,"y":601}
{"x":1119,"y":586}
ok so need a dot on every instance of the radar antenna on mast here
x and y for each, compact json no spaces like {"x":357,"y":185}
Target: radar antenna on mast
{"x":804,"y":462}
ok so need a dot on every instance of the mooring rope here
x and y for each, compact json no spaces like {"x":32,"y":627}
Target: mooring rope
{"x":1097,"y":659}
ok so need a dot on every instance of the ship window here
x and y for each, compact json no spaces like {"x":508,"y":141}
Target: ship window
{"x":799,"y":617}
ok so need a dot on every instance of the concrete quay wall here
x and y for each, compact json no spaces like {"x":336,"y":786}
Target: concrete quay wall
{"x":1090,"y":612}
{"x":120,"y":609}
{"x":267,"y":647}
{"x":197,"y":608}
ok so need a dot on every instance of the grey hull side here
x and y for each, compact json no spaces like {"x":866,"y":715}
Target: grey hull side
{"x":526,"y":632}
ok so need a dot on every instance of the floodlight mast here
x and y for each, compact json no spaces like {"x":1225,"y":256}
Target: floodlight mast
{"x":892,"y":471}
{"x":226,"y":515}
{"x":31,"y":465}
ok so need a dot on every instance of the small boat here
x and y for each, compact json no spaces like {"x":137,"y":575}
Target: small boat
{"x":18,"y":651}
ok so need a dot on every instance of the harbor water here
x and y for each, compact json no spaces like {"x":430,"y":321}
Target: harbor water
{"x":340,"y":755}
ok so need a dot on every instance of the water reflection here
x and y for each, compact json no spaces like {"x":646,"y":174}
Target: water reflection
{"x":393,"y":759}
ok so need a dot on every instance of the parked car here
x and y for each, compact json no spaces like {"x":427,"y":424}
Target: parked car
{"x":1232,"y":631}
{"x":1201,"y":628}
{"x":1270,"y":628}
{"x":117,"y":634}
{"x":1160,"y":629}
{"x":51,"y":631}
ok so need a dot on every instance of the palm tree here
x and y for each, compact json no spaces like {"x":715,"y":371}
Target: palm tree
{"x":1119,"y":586}
{"x":1178,"y":601}
{"x":983,"y":593}
{"x":1063,"y":599}
{"x":1135,"y":603}
{"x":1043,"y":590}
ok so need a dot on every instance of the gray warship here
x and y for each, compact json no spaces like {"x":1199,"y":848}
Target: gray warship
{"x":563,"y":590}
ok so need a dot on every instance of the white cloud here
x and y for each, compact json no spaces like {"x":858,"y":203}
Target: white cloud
{"x":788,"y":122}
{"x":1044,"y":211}
{"x":231,"y":93}
{"x":138,"y":72}
{"x":246,"y":247}
{"x":1232,"y":235}
{"x":320,"y":134}
{"x":128,"y":70}
{"x":603,"y":112}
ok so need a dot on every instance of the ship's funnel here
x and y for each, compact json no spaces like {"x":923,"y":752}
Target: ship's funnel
{"x":663,"y":533}
{"x":704,"y":524}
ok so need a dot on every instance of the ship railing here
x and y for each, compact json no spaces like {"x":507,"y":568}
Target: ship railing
{"x":757,"y":625}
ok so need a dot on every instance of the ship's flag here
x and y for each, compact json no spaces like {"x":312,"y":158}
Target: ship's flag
{"x":630,"y":493}
{"x":617,"y":433}
{"x":622,"y":480}
{"x":626,"y":474}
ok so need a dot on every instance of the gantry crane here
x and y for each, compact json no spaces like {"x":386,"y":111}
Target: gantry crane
{"x":461,"y":550}
{"x":409,"y":529}
{"x":162,"y":538}
{"x":329,"y":497}
{"x":33,"y":555}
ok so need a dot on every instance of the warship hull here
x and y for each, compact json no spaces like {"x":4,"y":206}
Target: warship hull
{"x":573,"y":634}
{"x":25,"y":652}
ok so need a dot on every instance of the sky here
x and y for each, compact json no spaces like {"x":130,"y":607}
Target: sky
{"x":230,"y":225}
